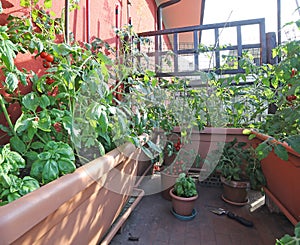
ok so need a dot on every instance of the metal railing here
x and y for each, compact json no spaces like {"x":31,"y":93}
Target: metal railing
{"x":178,"y":51}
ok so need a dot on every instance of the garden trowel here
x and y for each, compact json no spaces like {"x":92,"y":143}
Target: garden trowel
{"x":231,"y":215}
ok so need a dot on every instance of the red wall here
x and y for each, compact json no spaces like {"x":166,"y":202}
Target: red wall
{"x":102,"y":16}
{"x":102,"y":21}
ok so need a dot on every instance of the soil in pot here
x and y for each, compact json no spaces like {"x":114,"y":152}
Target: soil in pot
{"x":235,"y":192}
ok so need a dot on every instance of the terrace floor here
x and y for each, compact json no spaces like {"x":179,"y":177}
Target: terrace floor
{"x":151,"y":222}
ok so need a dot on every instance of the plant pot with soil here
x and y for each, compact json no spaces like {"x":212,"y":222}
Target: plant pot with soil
{"x":239,"y":170}
{"x":184,"y":195}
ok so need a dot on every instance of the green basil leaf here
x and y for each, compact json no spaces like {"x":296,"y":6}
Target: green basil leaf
{"x":50,"y":171}
{"x":37,"y":169}
{"x":66,"y":166}
{"x":29,"y":184}
{"x":44,"y":156}
{"x":13,"y":196}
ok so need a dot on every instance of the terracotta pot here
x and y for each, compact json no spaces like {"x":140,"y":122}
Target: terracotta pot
{"x":183,"y":205}
{"x":78,"y":208}
{"x":283,"y":181}
{"x":167,"y":183}
{"x":235,"y":192}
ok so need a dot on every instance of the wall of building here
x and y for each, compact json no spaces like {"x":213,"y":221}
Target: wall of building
{"x":102,"y":21}
{"x":102,"y":16}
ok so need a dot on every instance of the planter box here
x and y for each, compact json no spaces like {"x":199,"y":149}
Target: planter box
{"x":77,"y":208}
{"x":207,"y":139}
{"x":283,"y":181}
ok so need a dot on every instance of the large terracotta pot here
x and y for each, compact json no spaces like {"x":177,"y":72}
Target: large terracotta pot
{"x":78,"y":208}
{"x":183,"y":206}
{"x":283,"y":181}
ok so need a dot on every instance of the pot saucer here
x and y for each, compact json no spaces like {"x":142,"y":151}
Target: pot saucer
{"x":183,"y":217}
{"x":235,"y":203}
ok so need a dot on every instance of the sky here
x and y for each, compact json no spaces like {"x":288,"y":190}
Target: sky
{"x":232,"y":10}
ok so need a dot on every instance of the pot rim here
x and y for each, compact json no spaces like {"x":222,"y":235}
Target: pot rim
{"x":182,"y":198}
{"x":235,"y":184}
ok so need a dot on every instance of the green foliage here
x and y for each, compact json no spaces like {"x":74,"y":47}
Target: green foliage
{"x":290,"y":240}
{"x":236,"y":161}
{"x":185,"y":186}
{"x":12,"y":186}
{"x":56,"y":159}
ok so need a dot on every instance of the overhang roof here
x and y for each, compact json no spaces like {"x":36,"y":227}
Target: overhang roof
{"x":183,"y":13}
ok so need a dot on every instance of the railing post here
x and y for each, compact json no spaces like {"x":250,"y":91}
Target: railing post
{"x":271,"y":44}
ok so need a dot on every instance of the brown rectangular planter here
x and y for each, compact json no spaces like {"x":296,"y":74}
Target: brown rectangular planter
{"x":283,"y":181}
{"x":78,"y":208}
{"x":207,"y":139}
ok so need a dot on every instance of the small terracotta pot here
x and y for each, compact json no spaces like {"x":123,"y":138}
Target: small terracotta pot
{"x":235,"y":192}
{"x":183,"y":206}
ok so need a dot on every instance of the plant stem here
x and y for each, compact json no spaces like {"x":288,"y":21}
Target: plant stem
{"x":11,"y":126}
{"x":40,"y":137}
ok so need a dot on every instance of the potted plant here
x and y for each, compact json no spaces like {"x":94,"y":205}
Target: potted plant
{"x":184,"y":194}
{"x":239,"y":169}
{"x":182,"y":164}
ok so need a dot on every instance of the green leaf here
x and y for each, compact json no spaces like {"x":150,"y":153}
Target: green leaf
{"x":294,"y":142}
{"x":44,"y":156}
{"x":13,"y":196}
{"x":31,"y":132}
{"x":29,"y":184}
{"x":5,"y":180}
{"x":65,"y":151}
{"x":297,"y":230}
{"x":22,"y":124}
{"x":25,"y":3}
{"x":31,"y":156}
{"x":154,"y":146}
{"x":103,"y":121}
{"x":48,"y":4}
{"x":66,"y":166}
{"x":16,"y":159}
{"x":11,"y":81}
{"x":45,"y":121}
{"x":37,"y":145}
{"x":30,"y":101}
{"x":17,"y":144}
{"x":101,"y":149}
{"x":37,"y":169}
{"x":44,"y":101}
{"x":263,"y":150}
{"x":50,"y":171}
{"x":281,"y":152}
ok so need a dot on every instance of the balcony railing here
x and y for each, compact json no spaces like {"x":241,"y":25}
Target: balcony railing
{"x":188,"y":51}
